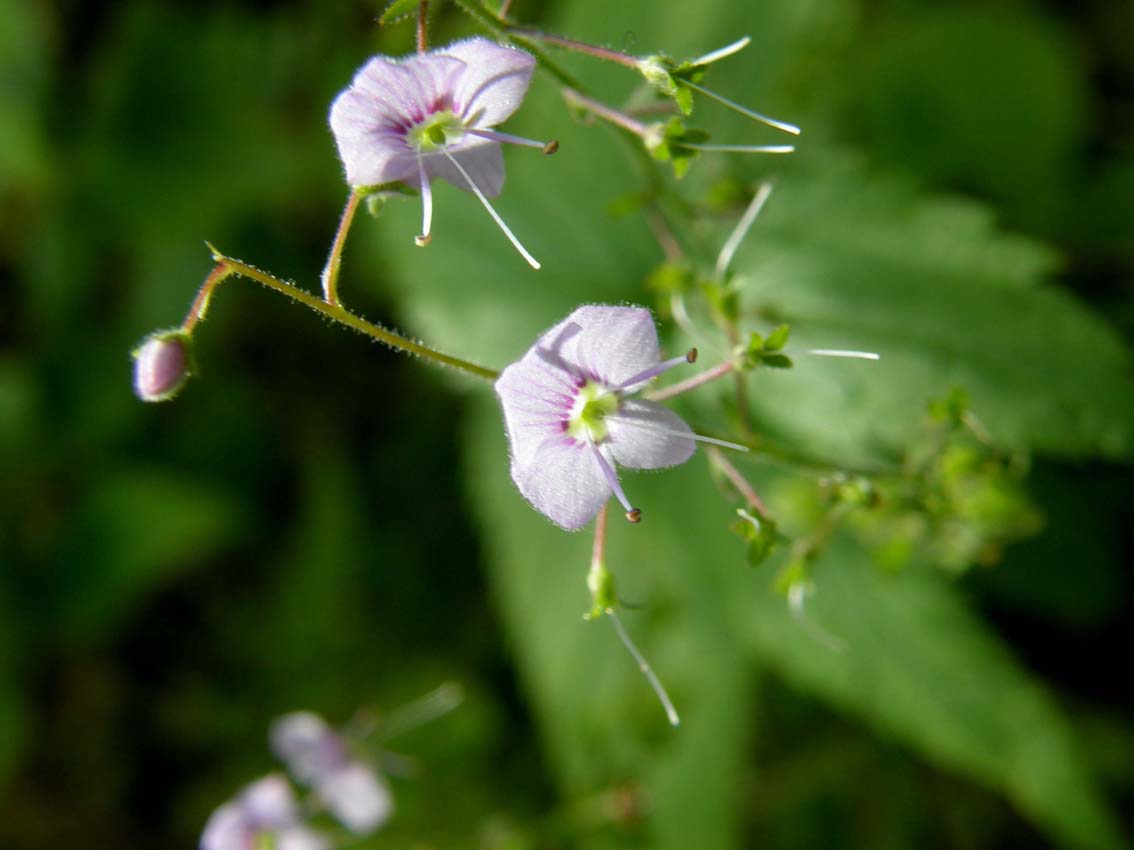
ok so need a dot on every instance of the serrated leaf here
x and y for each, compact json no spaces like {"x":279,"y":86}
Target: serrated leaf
{"x":856,"y":259}
{"x":918,"y":665}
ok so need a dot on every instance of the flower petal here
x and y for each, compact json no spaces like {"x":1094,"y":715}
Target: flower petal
{"x":563,"y":482}
{"x":305,"y":743}
{"x":481,"y":158}
{"x":226,"y":829}
{"x":300,"y":838}
{"x":493,"y":83}
{"x":645,"y":435}
{"x":358,"y":797}
{"x":369,"y":120}
{"x":536,"y":397}
{"x":269,"y":802}
{"x":615,"y":343}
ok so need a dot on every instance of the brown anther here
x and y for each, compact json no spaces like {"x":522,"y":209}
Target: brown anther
{"x":634,"y":515}
{"x":551,"y":147}
{"x":691,"y":355}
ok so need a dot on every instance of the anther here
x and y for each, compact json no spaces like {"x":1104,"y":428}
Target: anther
{"x":551,"y":147}
{"x":422,"y":241}
{"x":691,"y":355}
{"x":634,"y":515}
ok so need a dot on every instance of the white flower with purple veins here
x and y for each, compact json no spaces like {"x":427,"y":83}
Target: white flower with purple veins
{"x":263,"y":815}
{"x":431,"y":115}
{"x":318,"y":757}
{"x":571,"y":416}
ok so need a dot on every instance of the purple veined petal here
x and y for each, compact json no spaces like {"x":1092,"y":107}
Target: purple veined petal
{"x":536,"y":399}
{"x":357,"y":797}
{"x":482,"y":160}
{"x":494,"y":82}
{"x":371,"y":152}
{"x":309,"y":747}
{"x":563,"y":482}
{"x":226,"y":829}
{"x":616,"y":343}
{"x":269,"y":802}
{"x":370,"y":119}
{"x":645,"y":435}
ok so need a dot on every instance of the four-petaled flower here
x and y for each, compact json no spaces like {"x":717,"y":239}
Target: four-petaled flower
{"x":425,"y":116}
{"x":319,"y":758}
{"x":263,"y":815}
{"x":571,"y":417}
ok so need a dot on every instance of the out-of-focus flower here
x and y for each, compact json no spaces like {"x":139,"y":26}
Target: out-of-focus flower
{"x":318,"y":757}
{"x":431,"y":115}
{"x":571,"y":416}
{"x":162,"y":365}
{"x":263,"y":815}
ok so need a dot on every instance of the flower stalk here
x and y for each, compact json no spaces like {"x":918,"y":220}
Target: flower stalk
{"x":330,"y":275}
{"x":227,"y":267}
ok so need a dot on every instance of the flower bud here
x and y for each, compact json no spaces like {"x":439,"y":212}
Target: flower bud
{"x":162,"y":365}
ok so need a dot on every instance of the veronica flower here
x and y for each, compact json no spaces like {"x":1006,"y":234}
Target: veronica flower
{"x":263,"y":815}
{"x":319,"y":758}
{"x":572,"y":417}
{"x":426,"y":116}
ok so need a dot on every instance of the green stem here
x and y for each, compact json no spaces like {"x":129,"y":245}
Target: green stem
{"x":330,"y":275}
{"x":604,"y":53}
{"x":226,"y":266}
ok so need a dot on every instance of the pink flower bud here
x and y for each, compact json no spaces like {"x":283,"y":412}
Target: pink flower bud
{"x":162,"y":364}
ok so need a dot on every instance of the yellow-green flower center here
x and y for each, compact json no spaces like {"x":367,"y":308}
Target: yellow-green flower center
{"x":437,"y":131}
{"x":587,"y":419}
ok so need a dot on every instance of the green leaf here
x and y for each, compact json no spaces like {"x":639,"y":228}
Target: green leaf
{"x":136,"y":529}
{"x":918,"y":665}
{"x":398,"y":10}
{"x":921,"y":667}
{"x":855,"y":259}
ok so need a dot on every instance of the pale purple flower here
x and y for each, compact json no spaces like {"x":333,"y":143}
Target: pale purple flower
{"x":162,"y":365}
{"x":263,"y":815}
{"x":318,"y":757}
{"x":425,"y":116}
{"x":572,"y":418}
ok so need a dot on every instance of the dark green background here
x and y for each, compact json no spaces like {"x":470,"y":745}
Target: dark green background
{"x":318,"y":522}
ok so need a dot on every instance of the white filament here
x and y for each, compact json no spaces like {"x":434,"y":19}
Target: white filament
{"x":838,"y":352}
{"x":426,"y":205}
{"x":532,"y":261}
{"x":647,"y":670}
{"x":722,"y":52}
{"x":724,"y":259}
{"x":764,"y":119}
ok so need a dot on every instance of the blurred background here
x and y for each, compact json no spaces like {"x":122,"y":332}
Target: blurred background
{"x":320,"y":523}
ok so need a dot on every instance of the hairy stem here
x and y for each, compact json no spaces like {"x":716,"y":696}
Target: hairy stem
{"x":330,"y":275}
{"x":226,"y":267}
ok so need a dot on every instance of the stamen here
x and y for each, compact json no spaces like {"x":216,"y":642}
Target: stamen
{"x":797,"y":595}
{"x":532,"y":261}
{"x":837,"y":352}
{"x":657,"y":369}
{"x":724,"y":259}
{"x":764,"y":119}
{"x":632,"y":513}
{"x":697,"y":438}
{"x":737,"y":148}
{"x":426,"y":206}
{"x":722,"y":52}
{"x":509,"y":139}
{"x":647,"y":670}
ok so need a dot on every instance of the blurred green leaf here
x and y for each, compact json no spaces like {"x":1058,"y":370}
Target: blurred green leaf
{"x":857,"y":259}
{"x":917,"y":664}
{"x":397,"y":10}
{"x":136,"y":529}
